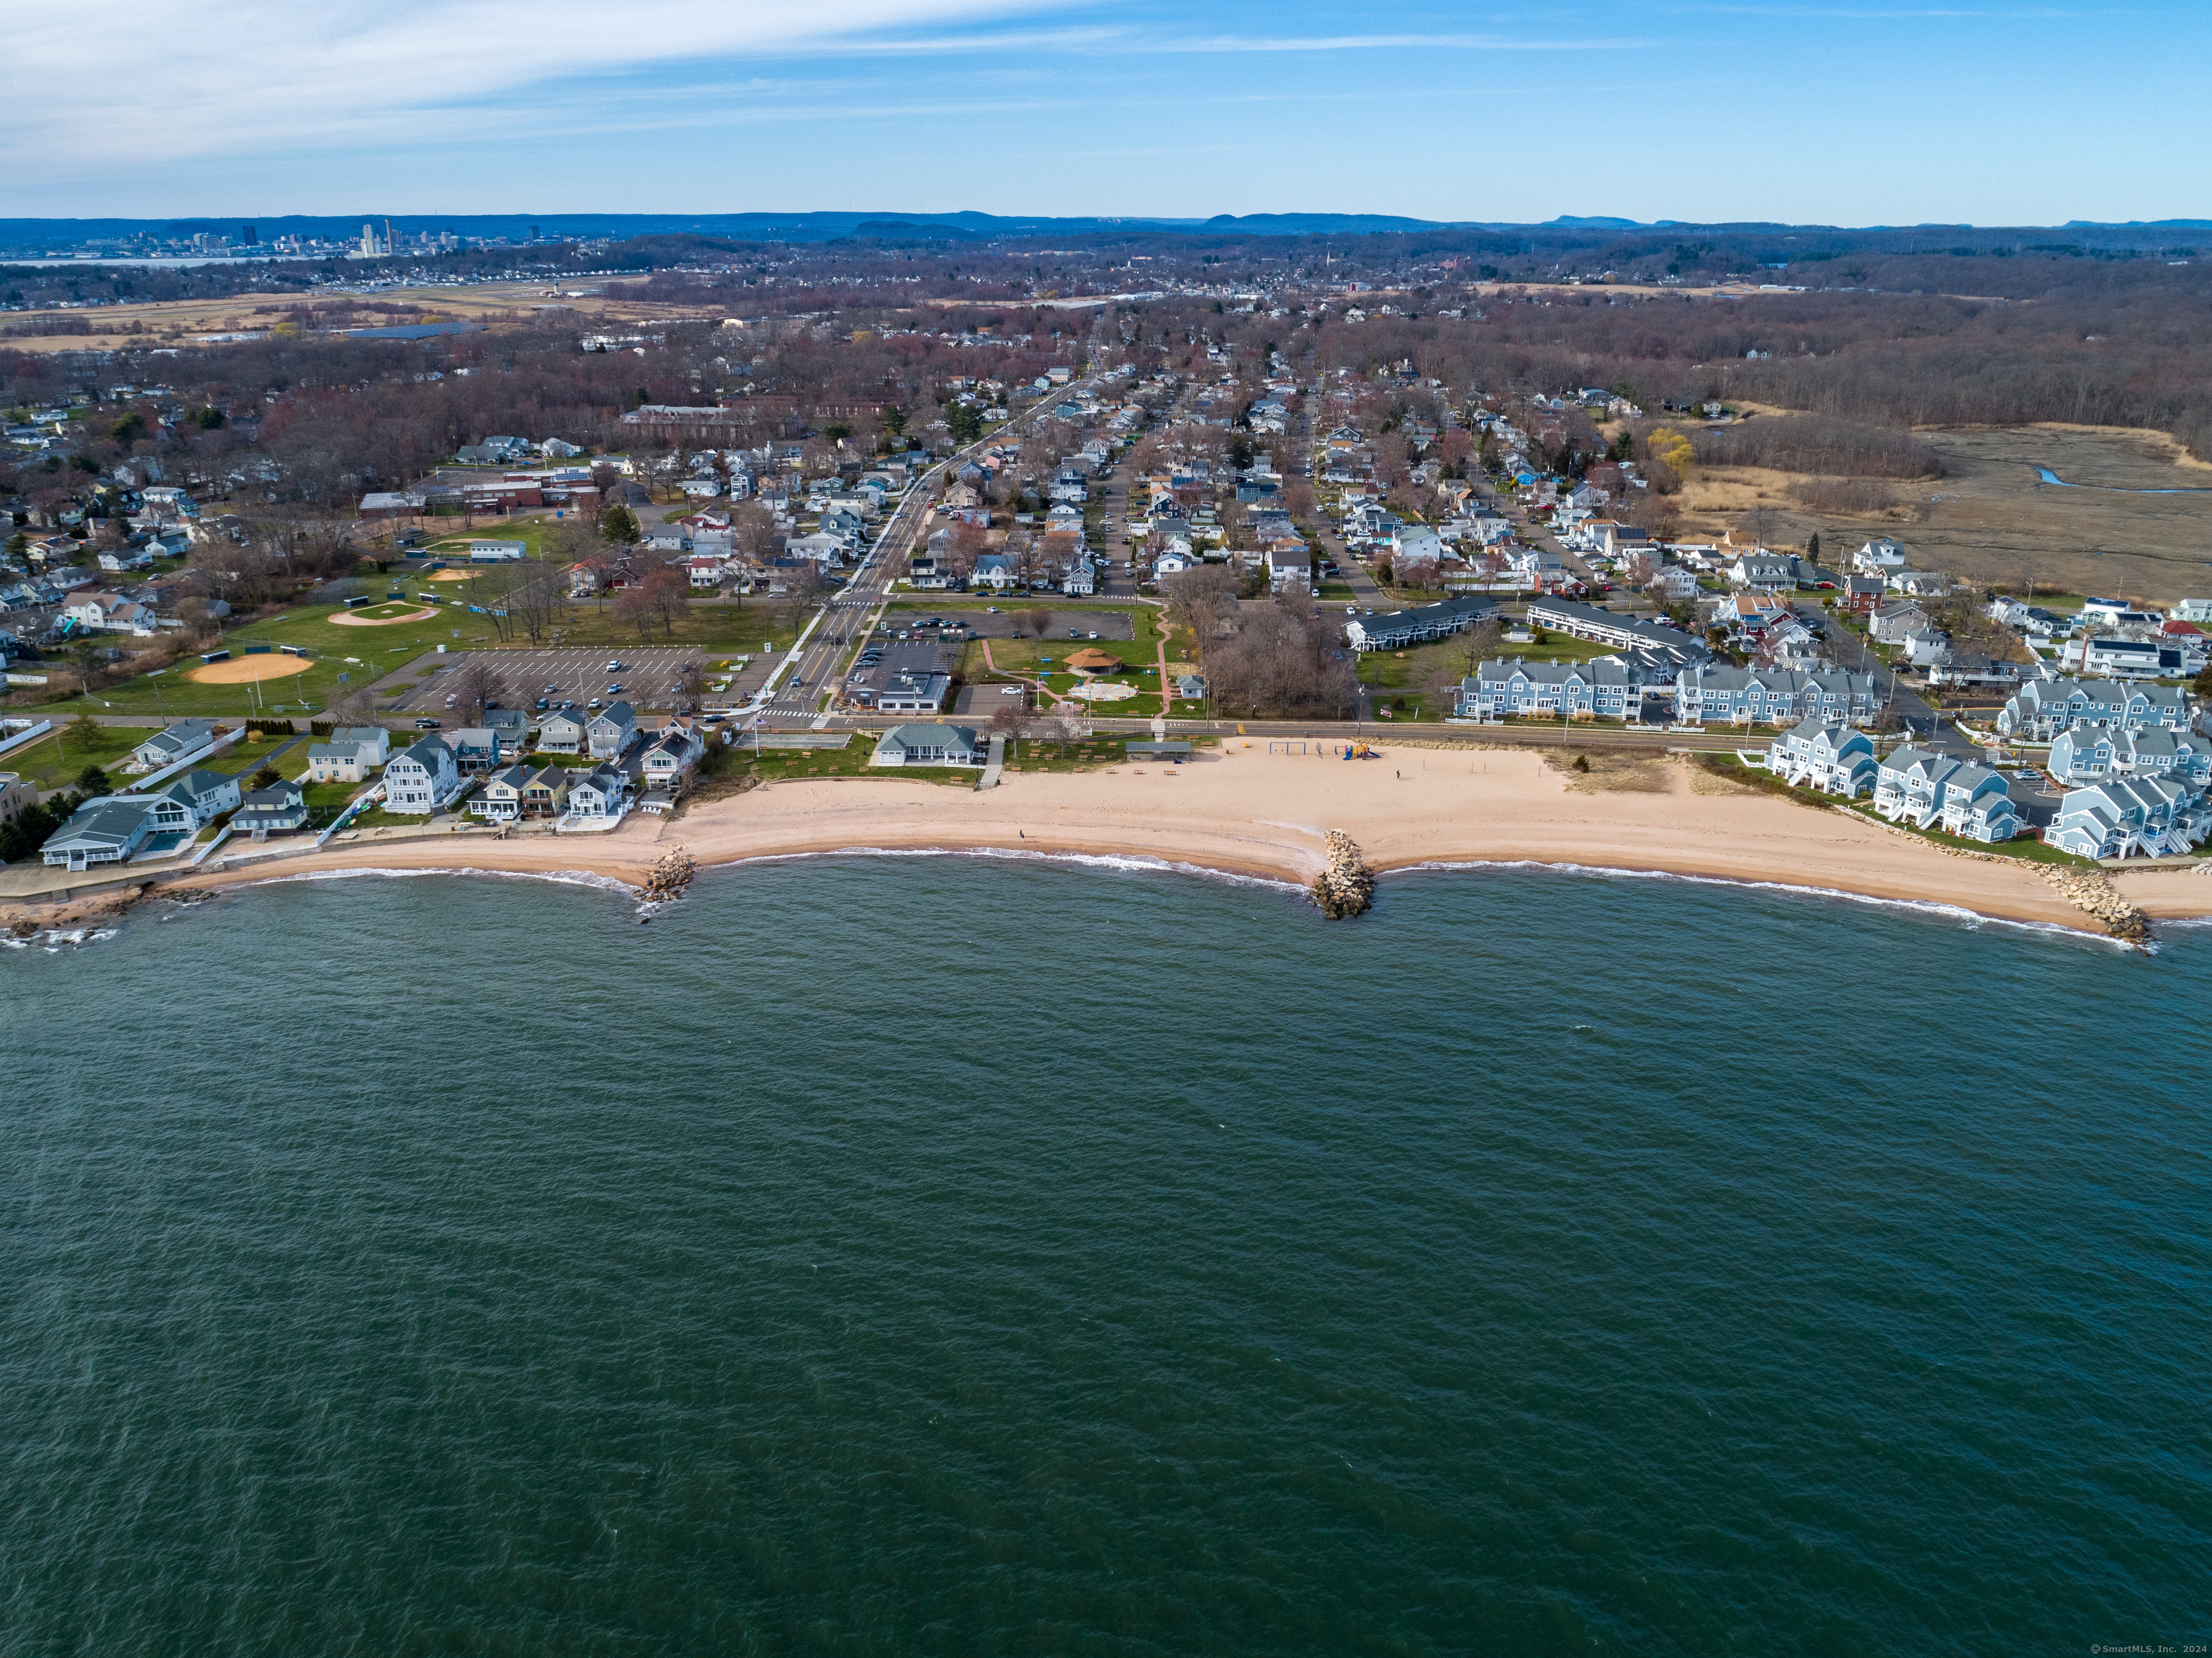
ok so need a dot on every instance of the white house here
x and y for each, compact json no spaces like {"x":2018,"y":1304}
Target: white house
{"x":1879,"y":557}
{"x":351,"y":754}
{"x":497,"y":552}
{"x":926,"y":745}
{"x":611,"y":730}
{"x":671,"y":754}
{"x":187,"y":804}
{"x":421,"y":778}
{"x":601,"y":793}
{"x":188,"y":739}
{"x":1290,"y":569}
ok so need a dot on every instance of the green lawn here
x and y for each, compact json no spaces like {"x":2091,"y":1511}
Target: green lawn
{"x":54,"y":761}
{"x":1408,"y":671}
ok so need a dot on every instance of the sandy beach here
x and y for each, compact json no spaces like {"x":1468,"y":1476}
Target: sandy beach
{"x":1245,"y":811}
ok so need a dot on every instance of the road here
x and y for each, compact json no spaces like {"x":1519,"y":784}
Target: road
{"x":818,"y":659}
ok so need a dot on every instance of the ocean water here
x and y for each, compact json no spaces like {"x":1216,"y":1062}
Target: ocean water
{"x":916,"y":1256}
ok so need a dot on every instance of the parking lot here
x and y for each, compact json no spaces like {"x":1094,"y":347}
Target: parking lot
{"x":648,"y":677}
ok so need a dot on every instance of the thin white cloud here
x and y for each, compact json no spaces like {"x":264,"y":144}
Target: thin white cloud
{"x":1387,"y":42}
{"x":251,"y":75}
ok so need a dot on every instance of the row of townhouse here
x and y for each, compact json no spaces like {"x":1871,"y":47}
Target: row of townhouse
{"x":1707,"y":695}
{"x":1604,"y":627}
{"x":2127,"y":816}
{"x":2043,"y":708}
{"x":1927,"y":788}
{"x":2090,"y":752}
{"x":1831,"y":758}
{"x":1607,"y":688}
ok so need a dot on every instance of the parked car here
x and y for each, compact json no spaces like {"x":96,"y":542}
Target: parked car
{"x":542,"y":705}
{"x":614,"y":667}
{"x":593,"y":703}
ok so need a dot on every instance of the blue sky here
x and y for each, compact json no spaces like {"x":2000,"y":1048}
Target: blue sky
{"x":1851,"y":114}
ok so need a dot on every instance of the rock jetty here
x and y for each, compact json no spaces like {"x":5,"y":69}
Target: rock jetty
{"x":1346,"y":886}
{"x":668,"y":878}
{"x":2091,"y":892}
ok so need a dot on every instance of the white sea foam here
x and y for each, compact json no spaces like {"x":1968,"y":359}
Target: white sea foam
{"x":1970,"y":918}
{"x":1122,"y":864}
{"x":51,"y":939}
{"x":567,"y":877}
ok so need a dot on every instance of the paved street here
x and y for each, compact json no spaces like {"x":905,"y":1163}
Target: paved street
{"x":833,"y":638}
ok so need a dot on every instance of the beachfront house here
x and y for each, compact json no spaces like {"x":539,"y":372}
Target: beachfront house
{"x":108,"y":831}
{"x":421,"y":778}
{"x":187,"y":804}
{"x":2088,"y":752}
{"x":1833,"y":759}
{"x":188,"y":739}
{"x":596,"y":795}
{"x":926,"y":745}
{"x":1923,"y":788}
{"x":611,"y":731}
{"x":519,"y":791}
{"x":669,"y":756}
{"x":2123,"y":816}
{"x":278,"y":809}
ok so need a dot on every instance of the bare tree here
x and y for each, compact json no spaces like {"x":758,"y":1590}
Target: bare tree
{"x":635,"y":607}
{"x":1039,"y":617}
{"x":669,"y":590}
{"x":690,"y":681}
{"x":474,"y":683}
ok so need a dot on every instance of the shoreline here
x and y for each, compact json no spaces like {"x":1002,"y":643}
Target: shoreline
{"x":1246,"y":813}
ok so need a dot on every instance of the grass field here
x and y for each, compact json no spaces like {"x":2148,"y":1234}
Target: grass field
{"x":1032,"y":658}
{"x":713,"y":630}
{"x":1992,"y":520}
{"x":1404,"y":672}
{"x":55,"y":759}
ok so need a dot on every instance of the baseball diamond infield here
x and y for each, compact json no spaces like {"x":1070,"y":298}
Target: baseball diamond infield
{"x":371,"y":619}
{"x":244,"y":670}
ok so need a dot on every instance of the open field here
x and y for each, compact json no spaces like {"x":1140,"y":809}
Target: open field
{"x":711,"y":632}
{"x":171,"y":321}
{"x":1993,"y":520}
